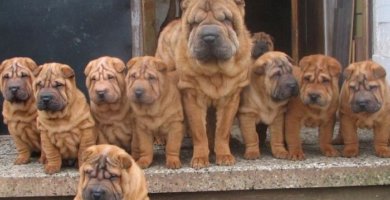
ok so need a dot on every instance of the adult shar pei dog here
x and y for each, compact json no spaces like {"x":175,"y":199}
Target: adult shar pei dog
{"x":109,"y":173}
{"x":316,"y":105}
{"x":109,"y":104}
{"x":64,"y":117}
{"x":365,"y":103}
{"x":156,"y":102}
{"x":19,"y":107}
{"x":213,"y":57}
{"x":264,"y":100}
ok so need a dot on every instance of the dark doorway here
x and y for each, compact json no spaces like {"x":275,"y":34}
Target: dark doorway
{"x":272,"y":17}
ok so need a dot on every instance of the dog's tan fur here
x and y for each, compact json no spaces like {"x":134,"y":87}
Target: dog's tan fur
{"x":365,"y":82}
{"x":67,"y":132}
{"x":318,"y":79}
{"x":20,"y":115}
{"x":112,"y":172}
{"x":109,"y":104}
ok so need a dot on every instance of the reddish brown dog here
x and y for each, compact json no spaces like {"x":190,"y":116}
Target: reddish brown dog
{"x":265,"y":101}
{"x":109,"y":104}
{"x":109,"y":173}
{"x":365,"y":103}
{"x":212,"y":57}
{"x":316,"y":105}
{"x":262,"y":43}
{"x":64,"y":117}
{"x":19,"y":107}
{"x":156,"y":102}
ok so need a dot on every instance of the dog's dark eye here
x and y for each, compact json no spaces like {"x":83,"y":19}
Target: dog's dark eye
{"x":38,"y":84}
{"x":58,"y":84}
{"x":132,"y":76}
{"x":373,"y":87}
{"x":306,"y":78}
{"x":110,"y":77}
{"x":24,"y":75}
{"x":113,"y":177}
{"x":352,"y":87}
{"x":277,"y":74}
{"x":6,"y":76}
{"x":93,"y":78}
{"x":325,"y":81}
{"x":151,"y":78}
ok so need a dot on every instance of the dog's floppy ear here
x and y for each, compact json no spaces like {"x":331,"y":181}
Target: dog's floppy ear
{"x":161,"y":66}
{"x":124,"y":160}
{"x":348,"y":72}
{"x":292,"y":61}
{"x":334,"y":67}
{"x":30,"y":64}
{"x":119,"y":65}
{"x":259,"y":67}
{"x":67,"y":71}
{"x":37,"y":70}
{"x":132,"y":62}
{"x":305,"y":61}
{"x":88,"y":68}
{"x":378,"y":71}
{"x":2,"y":67}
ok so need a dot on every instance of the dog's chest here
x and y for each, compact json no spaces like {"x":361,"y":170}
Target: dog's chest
{"x":27,"y":132}
{"x":66,"y":142}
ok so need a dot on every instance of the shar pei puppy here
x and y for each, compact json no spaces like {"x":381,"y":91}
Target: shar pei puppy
{"x":365,"y":103}
{"x":109,"y":105}
{"x":109,"y":173}
{"x":265,"y":100}
{"x":156,"y":103}
{"x":19,"y":107}
{"x":316,"y":105}
{"x":213,"y":57}
{"x":64,"y":118}
{"x":262,"y":43}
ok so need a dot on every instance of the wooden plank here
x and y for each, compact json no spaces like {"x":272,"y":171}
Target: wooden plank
{"x":137,"y":38}
{"x":294,"y":30}
{"x":343,"y":31}
{"x":149,"y":27}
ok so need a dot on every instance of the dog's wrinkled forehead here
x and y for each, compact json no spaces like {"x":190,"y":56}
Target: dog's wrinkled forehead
{"x":204,"y":9}
{"x":14,"y":66}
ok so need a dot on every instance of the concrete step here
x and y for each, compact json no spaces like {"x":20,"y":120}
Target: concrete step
{"x":267,"y":172}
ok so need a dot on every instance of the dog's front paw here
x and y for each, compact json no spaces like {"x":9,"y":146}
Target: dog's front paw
{"x":225,"y":160}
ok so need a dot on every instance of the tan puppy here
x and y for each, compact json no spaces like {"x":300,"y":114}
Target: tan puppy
{"x":365,"y":103}
{"x":64,"y":117}
{"x":19,"y":108}
{"x":265,"y":101}
{"x":109,"y":104}
{"x":167,"y":42}
{"x":262,"y":43}
{"x":212,"y":57}
{"x":156,"y":102}
{"x":316,"y":105}
{"x":109,"y":173}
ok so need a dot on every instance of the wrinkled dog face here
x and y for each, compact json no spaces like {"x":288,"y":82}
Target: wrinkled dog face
{"x":277,"y":70}
{"x":16,"y":79}
{"x":101,"y":173}
{"x":105,"y":80}
{"x":366,"y":86}
{"x":53,"y":86}
{"x":145,"y":79}
{"x":213,"y":28}
{"x":319,"y":80}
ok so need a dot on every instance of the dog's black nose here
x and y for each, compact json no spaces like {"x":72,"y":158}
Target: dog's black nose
{"x":101,"y":93}
{"x":314,"y":97}
{"x":139,"y":92}
{"x":13,"y":89}
{"x":46,"y":98}
{"x":97,"y":193}
{"x":362,"y":103}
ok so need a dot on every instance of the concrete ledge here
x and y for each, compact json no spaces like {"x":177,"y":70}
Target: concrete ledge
{"x":266,"y":173}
